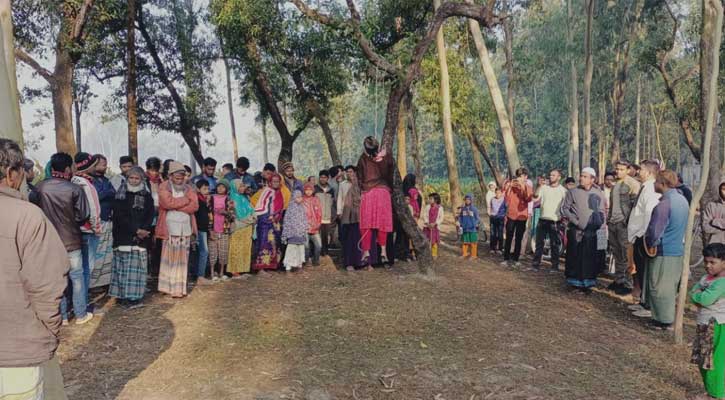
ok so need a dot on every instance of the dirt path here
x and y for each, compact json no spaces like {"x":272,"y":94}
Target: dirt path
{"x":477,"y":331}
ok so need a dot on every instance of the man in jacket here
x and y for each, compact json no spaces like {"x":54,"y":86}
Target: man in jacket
{"x":101,"y":267}
{"x":33,"y":268}
{"x":518,"y":195}
{"x":67,"y":208}
{"x":207,"y":174}
{"x":125,"y":163}
{"x":326,"y":194}
{"x":622,"y":198}
{"x":713,"y":219}
{"x":665,"y":233}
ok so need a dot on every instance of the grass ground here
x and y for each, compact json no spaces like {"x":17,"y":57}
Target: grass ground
{"x":476,"y":331}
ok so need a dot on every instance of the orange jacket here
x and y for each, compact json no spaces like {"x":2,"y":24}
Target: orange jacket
{"x":517,"y":201}
{"x":187,"y":204}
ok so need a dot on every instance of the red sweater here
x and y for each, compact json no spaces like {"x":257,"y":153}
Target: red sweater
{"x":313,"y":209}
{"x":517,"y":201}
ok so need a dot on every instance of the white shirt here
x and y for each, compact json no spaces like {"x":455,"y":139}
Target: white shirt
{"x":179,"y":223}
{"x":642,"y":212}
{"x":343,"y":188}
{"x":551,"y":198}
{"x":490,"y":194}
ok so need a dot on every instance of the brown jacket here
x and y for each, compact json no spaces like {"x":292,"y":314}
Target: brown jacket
{"x":372,"y":173}
{"x":33,"y":269}
{"x":188,"y":204}
{"x":67,"y":208}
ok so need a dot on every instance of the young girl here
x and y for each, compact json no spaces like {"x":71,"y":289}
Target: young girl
{"x":432,"y":218}
{"x":294,"y":232}
{"x":708,"y":349}
{"x":314,"y":221}
{"x":497,"y":217}
{"x":468,"y":221}
{"x":221,"y":230}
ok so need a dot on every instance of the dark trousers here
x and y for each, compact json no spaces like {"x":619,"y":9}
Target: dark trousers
{"x":327,"y":233}
{"x":514,"y":230}
{"x":549,"y":229}
{"x":496,"y":233}
{"x":640,"y":261}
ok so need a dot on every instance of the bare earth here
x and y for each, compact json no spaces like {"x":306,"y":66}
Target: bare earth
{"x":476,"y":331}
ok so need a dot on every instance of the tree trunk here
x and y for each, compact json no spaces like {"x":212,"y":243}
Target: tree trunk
{"x":620,"y":81}
{"x":491,"y":164}
{"x":77,"y":114}
{"x":285,"y":151}
{"x":588,"y":74}
{"x":477,"y":165}
{"x":415,"y":145}
{"x":508,"y":140}
{"x":712,"y":19}
{"x":574,"y":106}
{"x":10,"y":124}
{"x":230,"y":101}
{"x":637,"y":128}
{"x":62,"y":97}
{"x":453,"y":181}
{"x":265,"y":144}
{"x":508,"y":39}
{"x":131,"y":103}
{"x":329,"y":138}
{"x":402,"y":128}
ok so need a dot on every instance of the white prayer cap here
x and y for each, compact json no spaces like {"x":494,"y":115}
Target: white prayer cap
{"x":590,"y":171}
{"x":492,"y":183}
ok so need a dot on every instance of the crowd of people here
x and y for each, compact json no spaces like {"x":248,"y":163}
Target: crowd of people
{"x":161,"y":228}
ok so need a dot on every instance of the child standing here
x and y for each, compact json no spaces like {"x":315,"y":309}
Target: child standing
{"x":708,"y":349}
{"x":497,"y":219}
{"x":432,"y":218}
{"x":221,"y":229}
{"x":203,"y":220}
{"x":468,"y":221}
{"x":314,"y":221}
{"x":294,"y":232}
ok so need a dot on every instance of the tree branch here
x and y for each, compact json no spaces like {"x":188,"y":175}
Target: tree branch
{"x":302,"y":127}
{"x":26,"y":58}
{"x":80,"y":22}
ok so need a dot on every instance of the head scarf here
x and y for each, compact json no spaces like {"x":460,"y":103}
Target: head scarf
{"x":226,"y":184}
{"x":309,"y":185}
{"x":371,"y":145}
{"x":242,"y":207}
{"x":277,"y":197}
{"x":295,"y":219}
{"x":140,"y":189}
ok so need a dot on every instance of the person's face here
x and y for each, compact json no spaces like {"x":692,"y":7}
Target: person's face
{"x":622,"y":171}
{"x":523,"y":178}
{"x":30,"y":175}
{"x":350,"y":174}
{"x":178,"y":178}
{"x":226,"y":170}
{"x":275,"y":182}
{"x":492,"y":188}
{"x":431,"y":200}
{"x":205,"y":190}
{"x":266,"y":174}
{"x":609,"y":181}
{"x":209,"y":170}
{"x":14,"y":178}
{"x":289,"y":172}
{"x":714,"y":266}
{"x":644,"y":174}
{"x":722,"y":192}
{"x":499,"y":193}
{"x":323,"y":180}
{"x":152,"y":173}
{"x":187,"y":177}
{"x":554,"y":177}
{"x":101,"y":167}
{"x":570,"y":185}
{"x":308,"y":192}
{"x":467,"y":201}
{"x":299,"y":200}
{"x":633,"y":172}
{"x":407,"y":199}
{"x":660,"y":187}
{"x":241,"y":187}
{"x":125,"y":167}
{"x":134,"y":180}
{"x":220,"y":189}
{"x":586,"y":180}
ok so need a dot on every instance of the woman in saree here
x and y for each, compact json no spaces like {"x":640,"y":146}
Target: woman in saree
{"x":269,"y":212}
{"x":240,"y":244}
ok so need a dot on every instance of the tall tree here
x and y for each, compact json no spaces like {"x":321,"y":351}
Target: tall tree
{"x":509,"y":142}
{"x":574,"y":96}
{"x":72,"y":18}
{"x":508,"y":40}
{"x":587,"y":90}
{"x":414,"y":141}
{"x":445,"y":103}
{"x":131,"y":103}
{"x":230,"y":99}
{"x":10,"y":125}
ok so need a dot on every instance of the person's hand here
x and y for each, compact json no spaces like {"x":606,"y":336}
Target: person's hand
{"x":142,"y":234}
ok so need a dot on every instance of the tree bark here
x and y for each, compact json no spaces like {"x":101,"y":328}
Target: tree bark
{"x":313,"y":107}
{"x":264,"y":140}
{"x":62,"y":98}
{"x":477,"y":165}
{"x":230,"y":100}
{"x":509,"y":142}
{"x":637,"y":128}
{"x":508,"y":40}
{"x":620,"y":81}
{"x":445,"y":90}
{"x":588,"y":74}
{"x":712,"y":19}
{"x":131,"y":102}
{"x":402,"y":128}
{"x":77,"y":111}
{"x":491,"y":164}
{"x":10,"y":124}
{"x":415,"y":143}
{"x":574,"y":106}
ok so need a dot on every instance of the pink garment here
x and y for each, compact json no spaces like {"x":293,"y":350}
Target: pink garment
{"x":414,"y":195}
{"x":367,"y":239}
{"x":433,"y":234}
{"x":376,"y":210}
{"x":313,"y":210}
{"x":219,"y":206}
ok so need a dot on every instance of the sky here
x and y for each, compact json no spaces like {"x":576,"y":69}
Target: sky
{"x":110,"y":137}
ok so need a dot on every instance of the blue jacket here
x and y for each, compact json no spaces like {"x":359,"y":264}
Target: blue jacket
{"x":666,"y":229}
{"x":106,"y":195}
{"x":469,"y":219}
{"x":247,"y":179}
{"x":211,"y":179}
